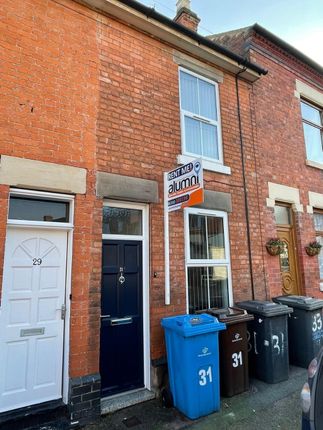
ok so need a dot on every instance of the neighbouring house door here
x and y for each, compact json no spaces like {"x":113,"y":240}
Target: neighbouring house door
{"x":32,"y":317}
{"x":288,"y":259}
{"x":121,"y":357}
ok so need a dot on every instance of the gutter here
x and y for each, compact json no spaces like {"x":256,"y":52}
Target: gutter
{"x":245,"y":187}
{"x":156,"y":25}
{"x":287,"y":47}
{"x":152,"y":13}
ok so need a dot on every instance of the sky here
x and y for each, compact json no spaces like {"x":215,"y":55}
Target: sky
{"x":298,"y":22}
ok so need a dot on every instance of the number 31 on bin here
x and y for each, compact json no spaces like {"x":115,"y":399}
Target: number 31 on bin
{"x":205,"y":376}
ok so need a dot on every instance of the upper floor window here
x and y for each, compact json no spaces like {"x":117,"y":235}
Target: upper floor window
{"x":313,"y":131}
{"x":201,"y":133}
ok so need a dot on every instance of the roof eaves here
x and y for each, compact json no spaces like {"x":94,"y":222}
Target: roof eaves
{"x":152,"y":13}
{"x":286,"y":47}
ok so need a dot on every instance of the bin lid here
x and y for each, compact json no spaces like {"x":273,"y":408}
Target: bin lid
{"x":230,"y":315}
{"x":300,"y":302}
{"x":265,"y":308}
{"x":192,"y":325}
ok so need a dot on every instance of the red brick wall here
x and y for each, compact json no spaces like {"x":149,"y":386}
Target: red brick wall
{"x":49,"y":82}
{"x":84,"y":90}
{"x":139,"y":135}
{"x":48,"y":104}
{"x":281,"y":155}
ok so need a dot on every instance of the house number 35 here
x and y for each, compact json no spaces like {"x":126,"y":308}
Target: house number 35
{"x":37,"y":261}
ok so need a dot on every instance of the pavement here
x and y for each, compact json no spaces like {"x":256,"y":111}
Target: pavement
{"x":264,"y":406}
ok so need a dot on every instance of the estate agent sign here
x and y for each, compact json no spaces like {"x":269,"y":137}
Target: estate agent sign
{"x":185,"y":186}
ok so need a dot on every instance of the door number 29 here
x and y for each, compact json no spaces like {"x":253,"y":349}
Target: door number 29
{"x":37,"y":261}
{"x":205,"y":376}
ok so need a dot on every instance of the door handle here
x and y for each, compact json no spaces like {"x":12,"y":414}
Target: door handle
{"x":63,"y":311}
{"x":121,"y":321}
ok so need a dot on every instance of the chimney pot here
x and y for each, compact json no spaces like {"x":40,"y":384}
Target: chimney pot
{"x":183,"y":4}
{"x":185,"y":16}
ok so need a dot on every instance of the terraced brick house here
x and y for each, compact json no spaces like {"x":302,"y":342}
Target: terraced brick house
{"x":288,"y":105}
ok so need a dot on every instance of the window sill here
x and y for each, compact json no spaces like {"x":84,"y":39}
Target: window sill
{"x":206,"y":164}
{"x":314,"y":164}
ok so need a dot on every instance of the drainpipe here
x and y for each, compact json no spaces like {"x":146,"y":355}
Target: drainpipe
{"x":244,"y":183}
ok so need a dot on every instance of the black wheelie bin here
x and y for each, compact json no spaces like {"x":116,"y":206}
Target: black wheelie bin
{"x":268,"y":340}
{"x":305,"y":328}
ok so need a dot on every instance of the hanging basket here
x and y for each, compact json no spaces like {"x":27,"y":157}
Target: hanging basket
{"x":275,"y":246}
{"x":274,"y":249}
{"x":312,"y":251}
{"x":313,"y":248}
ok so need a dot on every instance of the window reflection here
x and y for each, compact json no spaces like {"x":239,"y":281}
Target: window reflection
{"x":206,"y":237}
{"x":320,"y":240}
{"x":207,"y":288}
{"x":282,"y":215}
{"x":198,"y":249}
{"x":284,"y":259}
{"x":215,"y":238}
{"x":208,"y":284}
{"x":318,"y":223}
{"x":218,"y":283}
{"x":122,"y":221}
{"x":21,"y":208}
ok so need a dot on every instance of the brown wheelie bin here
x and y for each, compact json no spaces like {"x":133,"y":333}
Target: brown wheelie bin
{"x":233,"y":350}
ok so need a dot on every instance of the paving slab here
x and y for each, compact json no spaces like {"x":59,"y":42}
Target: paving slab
{"x":264,"y":406}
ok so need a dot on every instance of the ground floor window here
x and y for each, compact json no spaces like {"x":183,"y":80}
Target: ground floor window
{"x":207,"y":259}
{"x":318,"y":222}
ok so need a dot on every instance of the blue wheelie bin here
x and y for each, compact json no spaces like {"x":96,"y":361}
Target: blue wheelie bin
{"x":193,"y":363}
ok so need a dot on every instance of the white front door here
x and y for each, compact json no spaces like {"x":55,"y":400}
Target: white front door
{"x":31,"y":317}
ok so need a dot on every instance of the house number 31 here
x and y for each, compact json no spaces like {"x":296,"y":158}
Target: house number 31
{"x":205,"y":376}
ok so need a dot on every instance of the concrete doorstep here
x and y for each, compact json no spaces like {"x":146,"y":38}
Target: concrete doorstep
{"x":264,"y":406}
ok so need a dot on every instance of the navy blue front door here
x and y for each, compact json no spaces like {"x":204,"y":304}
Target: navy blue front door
{"x":121,"y":356}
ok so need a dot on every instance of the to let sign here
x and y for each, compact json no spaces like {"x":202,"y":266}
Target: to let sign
{"x":185,"y":186}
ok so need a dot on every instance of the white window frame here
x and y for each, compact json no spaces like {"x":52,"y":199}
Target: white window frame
{"x":186,"y":156}
{"x":17,"y":192}
{"x":207,"y":262}
{"x":310,"y":161}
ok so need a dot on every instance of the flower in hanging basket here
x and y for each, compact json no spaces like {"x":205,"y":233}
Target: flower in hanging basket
{"x":313,"y":248}
{"x":275,"y":246}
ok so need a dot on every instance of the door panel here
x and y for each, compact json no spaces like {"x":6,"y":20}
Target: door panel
{"x":31,"y":328}
{"x":288,"y":262}
{"x":121,"y":359}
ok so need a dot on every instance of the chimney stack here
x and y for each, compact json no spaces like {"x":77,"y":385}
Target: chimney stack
{"x":185,"y":16}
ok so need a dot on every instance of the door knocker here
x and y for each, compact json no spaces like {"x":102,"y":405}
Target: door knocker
{"x":121,"y":277}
